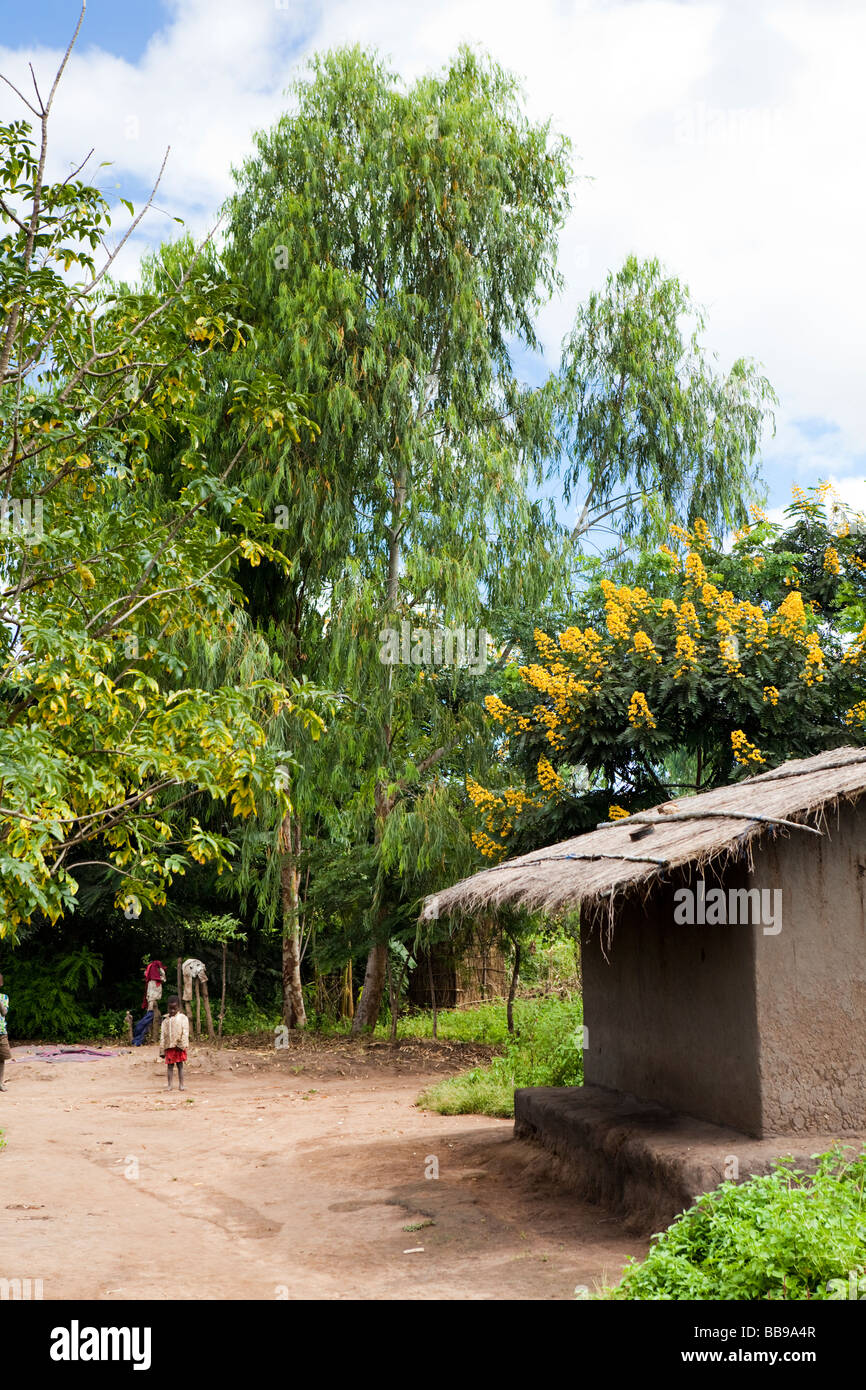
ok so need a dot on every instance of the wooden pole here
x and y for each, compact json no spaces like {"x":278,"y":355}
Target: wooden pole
{"x":179,"y":980}
{"x":432,"y":986}
{"x":187,"y":1004}
{"x":197,"y":1010}
{"x":157,"y":1023}
{"x":128,"y":1022}
{"x":210,"y":1031}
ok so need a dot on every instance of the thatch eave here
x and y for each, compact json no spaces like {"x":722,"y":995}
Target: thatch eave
{"x":633,"y":855}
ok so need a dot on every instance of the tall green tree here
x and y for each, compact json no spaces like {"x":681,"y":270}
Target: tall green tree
{"x":396,"y":242}
{"x":646,"y":429}
{"x":102,"y":565}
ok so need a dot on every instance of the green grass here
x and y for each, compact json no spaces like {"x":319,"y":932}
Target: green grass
{"x":546,"y":1052}
{"x":482,"y":1023}
{"x":784,"y":1236}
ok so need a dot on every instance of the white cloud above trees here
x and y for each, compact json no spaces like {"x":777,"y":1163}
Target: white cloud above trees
{"x":724,"y":138}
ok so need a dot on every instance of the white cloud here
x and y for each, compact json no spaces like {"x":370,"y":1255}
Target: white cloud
{"x":722,"y":137}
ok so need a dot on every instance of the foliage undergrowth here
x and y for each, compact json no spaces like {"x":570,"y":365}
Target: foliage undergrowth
{"x":547,"y":1050}
{"x":783,"y":1236}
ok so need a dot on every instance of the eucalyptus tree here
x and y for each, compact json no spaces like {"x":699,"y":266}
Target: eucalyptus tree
{"x":646,"y":429}
{"x":396,"y":242}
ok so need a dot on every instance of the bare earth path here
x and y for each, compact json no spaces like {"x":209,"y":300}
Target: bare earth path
{"x":283,"y":1174}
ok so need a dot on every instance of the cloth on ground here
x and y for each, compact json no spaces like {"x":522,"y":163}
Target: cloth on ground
{"x":192,"y":969}
{"x":141,"y":1028}
{"x":72,"y":1054}
{"x":174,"y":1032}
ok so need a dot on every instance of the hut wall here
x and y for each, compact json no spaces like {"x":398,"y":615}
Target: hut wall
{"x":811,"y":980}
{"x":671,"y":1014}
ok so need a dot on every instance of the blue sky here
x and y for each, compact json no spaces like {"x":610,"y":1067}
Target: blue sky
{"x":123,"y":27}
{"x":722,"y":137}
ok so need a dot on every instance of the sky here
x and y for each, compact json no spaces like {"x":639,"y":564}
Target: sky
{"x":724,"y":138}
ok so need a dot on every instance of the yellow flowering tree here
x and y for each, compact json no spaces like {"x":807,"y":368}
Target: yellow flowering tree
{"x":694,"y":667}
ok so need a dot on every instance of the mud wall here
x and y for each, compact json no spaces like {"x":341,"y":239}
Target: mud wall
{"x":811,"y":980}
{"x":671,"y":1013}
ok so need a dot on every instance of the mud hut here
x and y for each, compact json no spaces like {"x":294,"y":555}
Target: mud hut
{"x":723,"y":942}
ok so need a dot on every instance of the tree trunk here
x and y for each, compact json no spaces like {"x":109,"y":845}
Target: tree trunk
{"x":223,"y":996}
{"x":370,"y":1002}
{"x":432,"y":988}
{"x":208,"y":1014}
{"x":509,"y":1011}
{"x":294,"y":1014}
{"x":347,"y":998}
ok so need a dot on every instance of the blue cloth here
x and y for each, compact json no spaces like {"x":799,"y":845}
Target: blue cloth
{"x":141,"y":1028}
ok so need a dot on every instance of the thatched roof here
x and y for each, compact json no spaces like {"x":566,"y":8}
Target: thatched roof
{"x":635,"y":853}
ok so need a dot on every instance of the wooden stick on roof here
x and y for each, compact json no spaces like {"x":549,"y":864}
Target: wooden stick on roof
{"x":641,"y":819}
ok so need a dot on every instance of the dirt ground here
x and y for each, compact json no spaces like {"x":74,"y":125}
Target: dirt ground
{"x":281,"y":1174}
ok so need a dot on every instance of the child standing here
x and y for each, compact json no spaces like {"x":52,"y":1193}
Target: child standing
{"x":5,"y":1051}
{"x":174,"y":1041}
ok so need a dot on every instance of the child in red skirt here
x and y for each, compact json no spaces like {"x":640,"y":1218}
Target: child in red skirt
{"x":174,"y":1040}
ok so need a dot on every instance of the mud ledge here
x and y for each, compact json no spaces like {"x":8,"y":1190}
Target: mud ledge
{"x":643,"y":1162}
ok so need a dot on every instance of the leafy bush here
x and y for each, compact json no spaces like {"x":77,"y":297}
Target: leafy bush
{"x":249,"y":1017}
{"x":784,"y":1236}
{"x":44,"y":1000}
{"x":546,"y":1051}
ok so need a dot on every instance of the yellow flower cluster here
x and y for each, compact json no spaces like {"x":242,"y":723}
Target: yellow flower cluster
{"x":790,"y":620}
{"x":813,"y":671}
{"x":756,"y":629}
{"x":498,"y":812}
{"x":504,"y":714}
{"x":831,"y":560}
{"x":857,"y":714}
{"x":695,"y":569}
{"x":546,"y":645}
{"x":771,"y":695}
{"x":516,"y":799}
{"x":686,"y":648}
{"x":730,"y":657}
{"x":548,"y":778}
{"x":484,"y":800}
{"x":617,"y":813}
{"x":744,"y":751}
{"x":639,"y":714}
{"x":586,"y":645}
{"x":701,"y":533}
{"x":758,"y":514}
{"x":644,"y":646}
{"x":489,"y":848}
{"x":857,"y":647}
{"x":623,"y":606}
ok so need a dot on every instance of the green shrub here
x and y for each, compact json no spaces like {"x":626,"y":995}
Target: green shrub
{"x":44,"y":995}
{"x":784,"y":1236}
{"x":248,"y":1017}
{"x":546,"y":1051}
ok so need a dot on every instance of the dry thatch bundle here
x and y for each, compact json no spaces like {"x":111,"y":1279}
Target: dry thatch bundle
{"x":633,"y":854}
